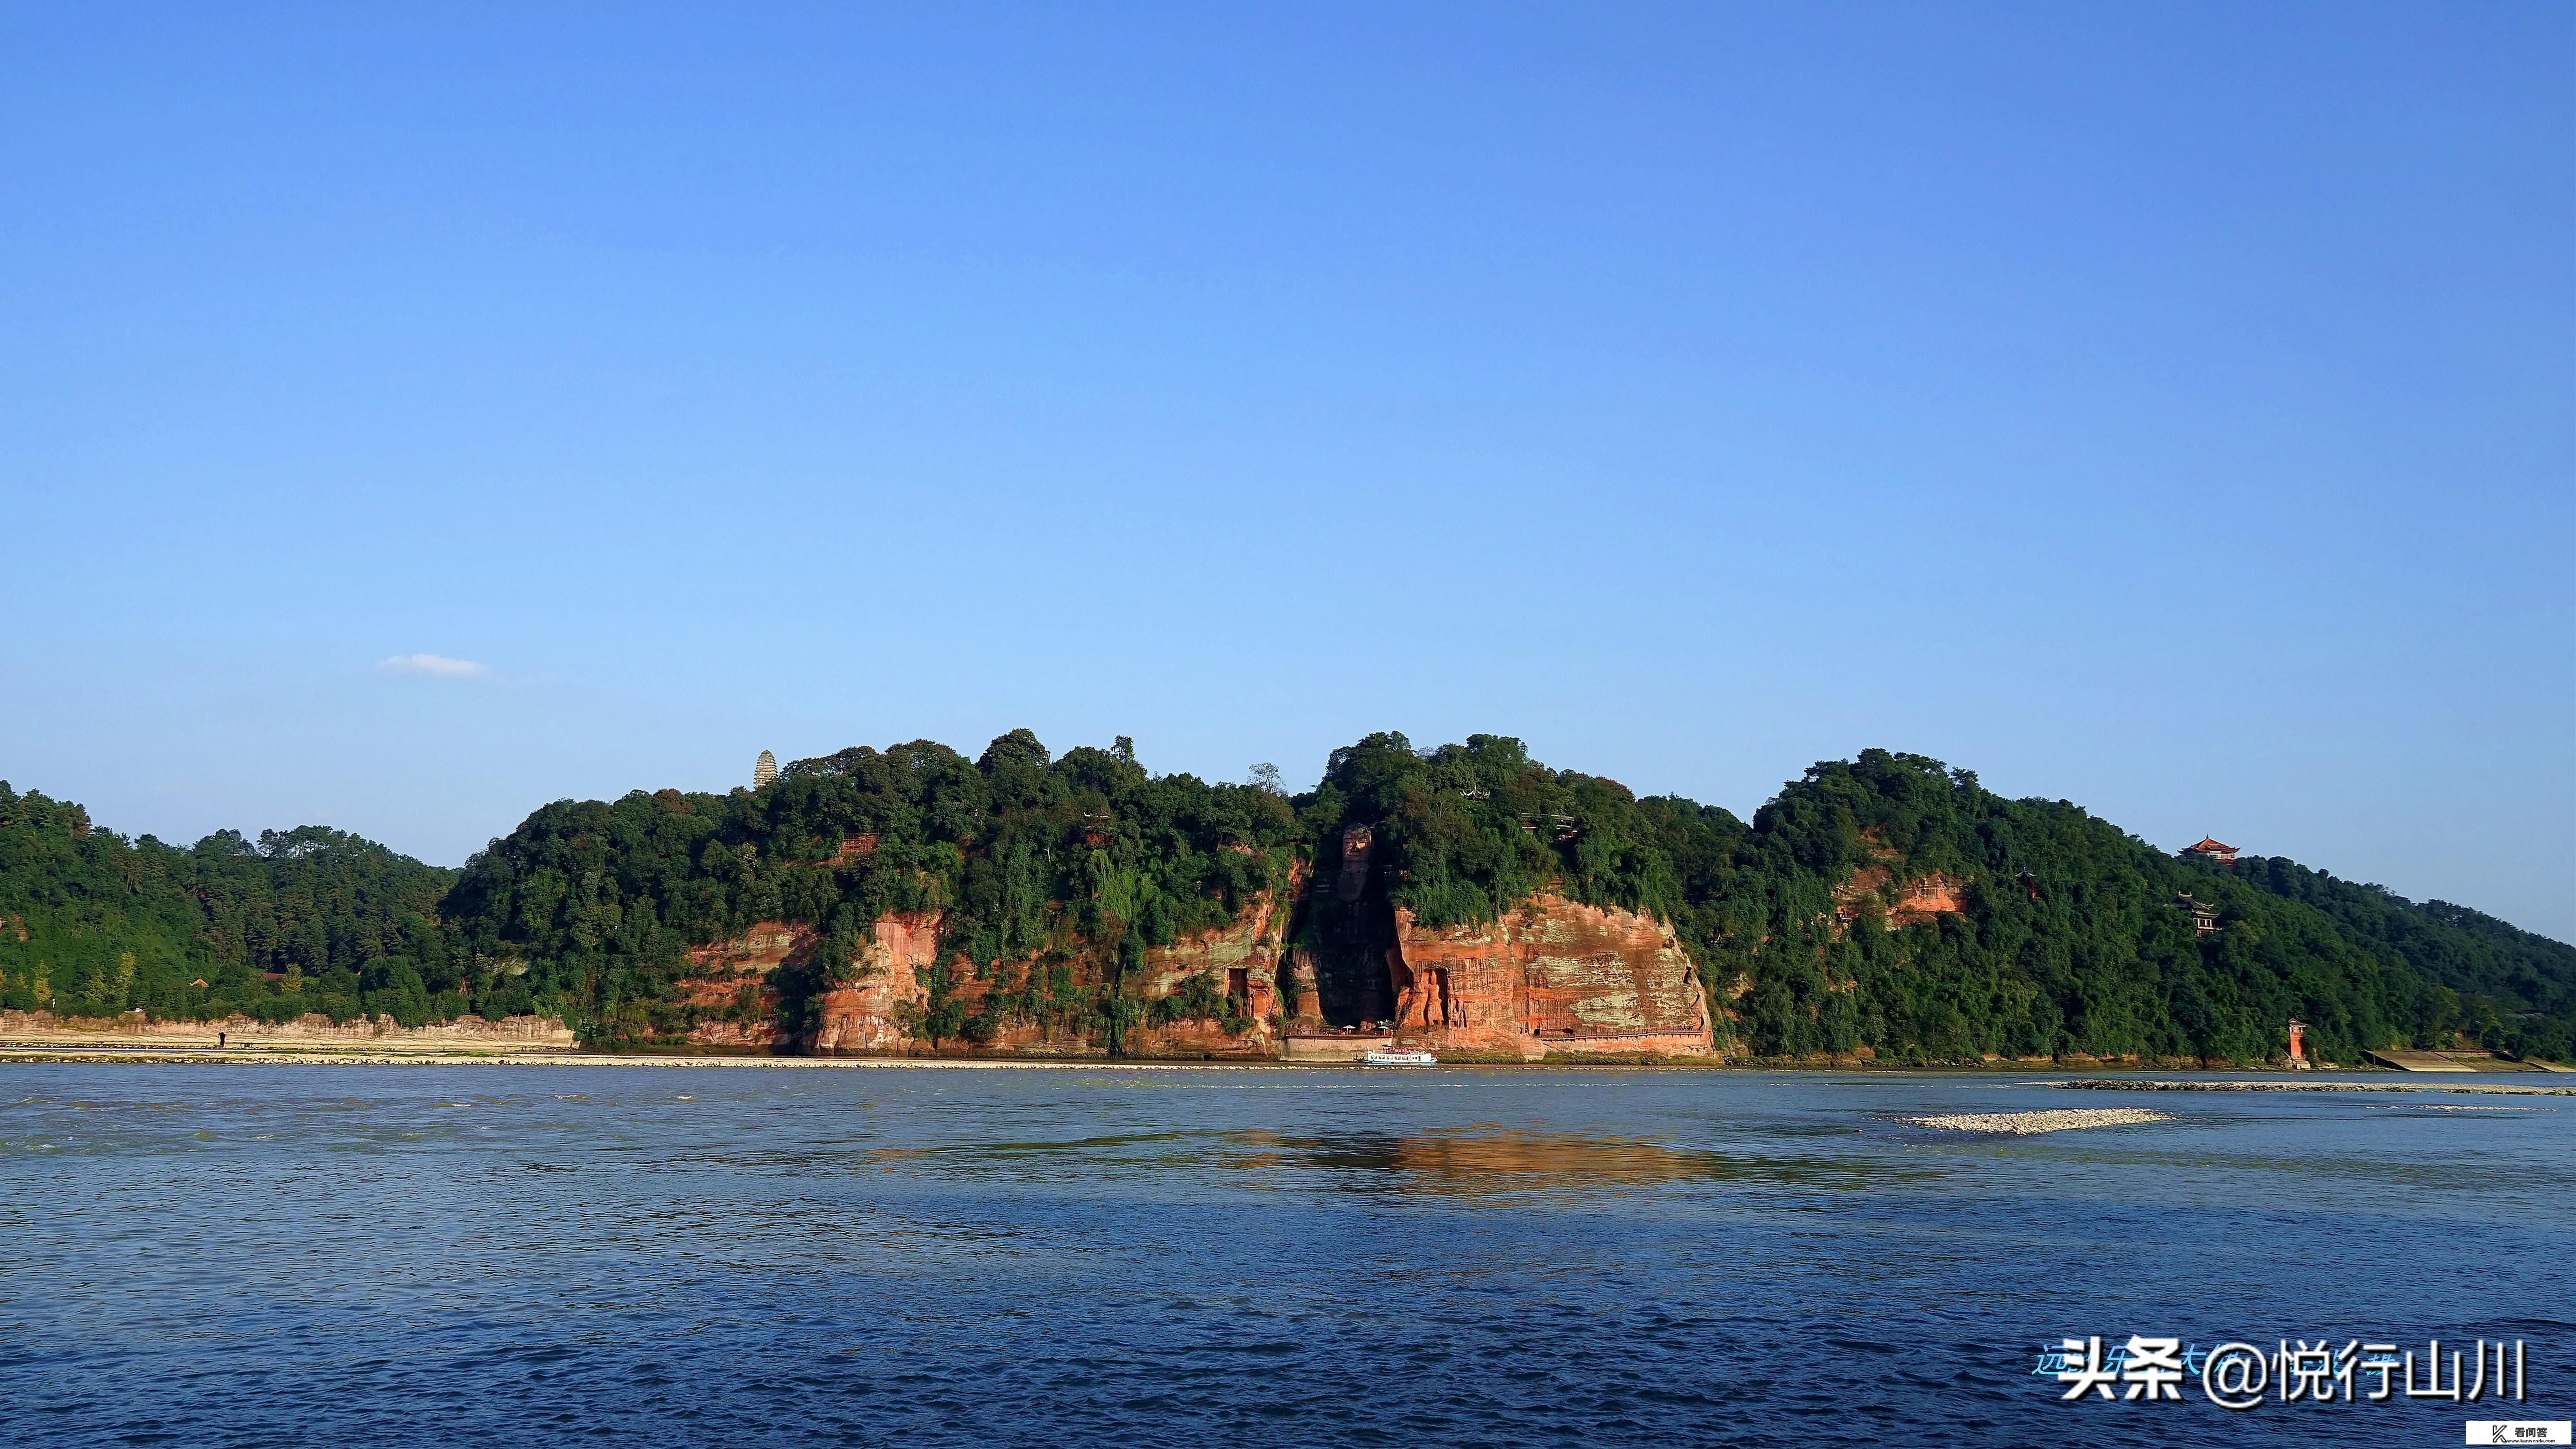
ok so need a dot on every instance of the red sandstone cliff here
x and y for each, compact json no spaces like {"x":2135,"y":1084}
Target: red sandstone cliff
{"x":1242,"y":961}
{"x":1553,"y":977}
{"x":866,"y":1015}
{"x":734,"y":977}
{"x":1352,"y":934}
{"x":1911,"y":902}
{"x":734,"y":982}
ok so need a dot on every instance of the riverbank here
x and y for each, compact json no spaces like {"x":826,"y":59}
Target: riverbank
{"x":265,"y":1056}
{"x":212,"y":1057}
{"x":2132,"y":1084}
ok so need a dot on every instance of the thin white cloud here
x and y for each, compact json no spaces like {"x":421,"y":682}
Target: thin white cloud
{"x":438,"y":665}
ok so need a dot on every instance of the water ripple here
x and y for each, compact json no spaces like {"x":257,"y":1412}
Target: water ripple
{"x":366,"y":1255}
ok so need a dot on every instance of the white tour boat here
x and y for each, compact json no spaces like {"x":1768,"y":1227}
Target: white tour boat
{"x":1387,"y":1056}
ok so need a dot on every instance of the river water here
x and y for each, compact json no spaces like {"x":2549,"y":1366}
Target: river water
{"x":709,"y":1256}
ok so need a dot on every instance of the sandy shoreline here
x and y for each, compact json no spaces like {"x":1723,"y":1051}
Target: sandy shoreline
{"x":23,"y":1054}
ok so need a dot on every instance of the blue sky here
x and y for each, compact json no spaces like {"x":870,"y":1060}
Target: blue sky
{"x":2167,"y":408}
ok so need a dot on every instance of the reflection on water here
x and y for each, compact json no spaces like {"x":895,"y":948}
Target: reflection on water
{"x":1506,"y":1162}
{"x":1474,"y":1161}
{"x":325,"y":1255}
{"x":1482,"y":1164}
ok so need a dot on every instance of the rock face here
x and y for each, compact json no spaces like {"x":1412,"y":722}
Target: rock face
{"x":1555,"y":977}
{"x":1915,"y":902}
{"x":1935,"y":894}
{"x":1240,"y":961}
{"x":875,"y":1012}
{"x":734,"y":976}
{"x":1338,"y":974}
{"x":381,"y":1034}
{"x":866,"y":1015}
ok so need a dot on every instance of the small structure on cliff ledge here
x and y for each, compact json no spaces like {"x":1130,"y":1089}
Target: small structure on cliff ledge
{"x":2204,"y":916}
{"x":2210,"y":852}
{"x":764,"y":770}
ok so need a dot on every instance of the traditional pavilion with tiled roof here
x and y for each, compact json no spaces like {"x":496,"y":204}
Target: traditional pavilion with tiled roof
{"x":2210,"y":850}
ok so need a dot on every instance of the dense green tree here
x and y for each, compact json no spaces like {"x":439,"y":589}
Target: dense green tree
{"x":310,"y":919}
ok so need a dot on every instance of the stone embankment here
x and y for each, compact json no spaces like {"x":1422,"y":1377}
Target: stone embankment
{"x":212,"y":1057}
{"x":310,"y":1032}
{"x":2031,"y":1124}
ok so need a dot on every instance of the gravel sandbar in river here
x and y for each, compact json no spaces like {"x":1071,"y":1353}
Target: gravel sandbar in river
{"x":2027,"y":1124}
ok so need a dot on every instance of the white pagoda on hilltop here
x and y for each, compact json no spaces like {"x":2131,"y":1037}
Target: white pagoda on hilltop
{"x":764,"y":770}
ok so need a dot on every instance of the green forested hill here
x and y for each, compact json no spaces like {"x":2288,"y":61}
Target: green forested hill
{"x":2068,"y":936}
{"x":93,"y":924}
{"x":1079,"y":863}
{"x":2071,"y":940}
{"x":2516,"y":990}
